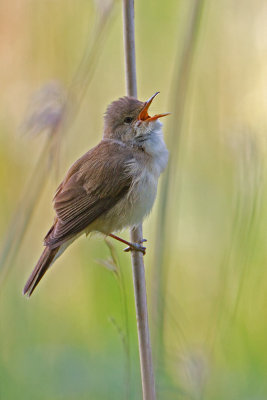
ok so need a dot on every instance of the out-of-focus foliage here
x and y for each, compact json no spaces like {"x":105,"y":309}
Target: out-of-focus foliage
{"x":68,"y":340}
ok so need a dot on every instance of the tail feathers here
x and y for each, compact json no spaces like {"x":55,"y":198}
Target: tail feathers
{"x":42,"y":266}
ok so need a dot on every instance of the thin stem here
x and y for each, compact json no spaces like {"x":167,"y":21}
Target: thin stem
{"x":180,"y":85}
{"x":129,"y":47}
{"x":147,"y":374}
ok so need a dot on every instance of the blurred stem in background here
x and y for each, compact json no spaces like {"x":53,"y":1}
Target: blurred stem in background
{"x":48,"y":119}
{"x":238,"y":256}
{"x":112,"y":264}
{"x":179,"y":90}
{"x":53,"y":112}
{"x":248,"y":204}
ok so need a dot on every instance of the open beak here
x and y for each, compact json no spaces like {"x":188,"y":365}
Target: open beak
{"x":143,"y":116}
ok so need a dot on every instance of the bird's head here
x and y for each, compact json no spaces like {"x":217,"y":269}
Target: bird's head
{"x":127,"y":120}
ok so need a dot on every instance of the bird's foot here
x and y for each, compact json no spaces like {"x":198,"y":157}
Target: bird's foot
{"x":136,"y":247}
{"x":131,"y":246}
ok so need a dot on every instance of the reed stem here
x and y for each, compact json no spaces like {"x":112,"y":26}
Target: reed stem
{"x":147,"y":373}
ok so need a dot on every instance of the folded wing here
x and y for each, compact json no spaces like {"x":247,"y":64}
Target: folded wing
{"x":92,"y":186}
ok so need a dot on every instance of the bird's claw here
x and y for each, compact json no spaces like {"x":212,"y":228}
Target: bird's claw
{"x":142,"y":241}
{"x":136,"y":247}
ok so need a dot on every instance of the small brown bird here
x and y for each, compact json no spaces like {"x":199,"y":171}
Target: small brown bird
{"x":112,"y":186}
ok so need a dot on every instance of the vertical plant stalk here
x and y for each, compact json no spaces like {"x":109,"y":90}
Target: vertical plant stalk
{"x":180,"y":85}
{"x":147,"y":373}
{"x":21,"y":219}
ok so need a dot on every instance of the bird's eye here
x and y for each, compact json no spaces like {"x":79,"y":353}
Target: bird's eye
{"x":128,"y":120}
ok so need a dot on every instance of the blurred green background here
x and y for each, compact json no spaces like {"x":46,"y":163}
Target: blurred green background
{"x":206,"y":258}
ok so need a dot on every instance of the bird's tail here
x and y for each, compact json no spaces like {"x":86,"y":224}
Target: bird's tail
{"x":42,"y":266}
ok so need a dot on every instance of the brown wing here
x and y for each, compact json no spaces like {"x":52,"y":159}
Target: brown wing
{"x":93,"y":185}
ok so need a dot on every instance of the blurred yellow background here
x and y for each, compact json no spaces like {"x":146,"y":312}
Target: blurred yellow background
{"x":206,"y":251}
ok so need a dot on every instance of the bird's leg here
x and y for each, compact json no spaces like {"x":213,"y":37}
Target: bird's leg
{"x":131,"y":246}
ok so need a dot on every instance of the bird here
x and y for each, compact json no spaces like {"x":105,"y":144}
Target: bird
{"x":111,"y":187}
